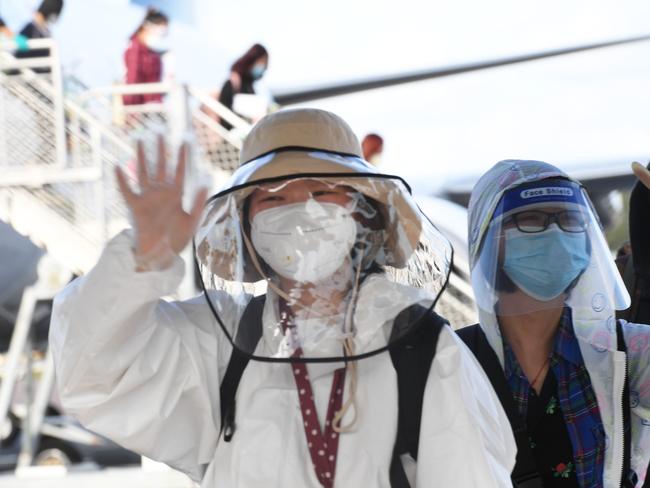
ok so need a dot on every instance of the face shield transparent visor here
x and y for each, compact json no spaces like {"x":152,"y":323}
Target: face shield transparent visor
{"x":546,"y":253}
{"x":318,"y":267}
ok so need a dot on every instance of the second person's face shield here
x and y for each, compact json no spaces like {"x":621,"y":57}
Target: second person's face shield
{"x":545,"y":249}
{"x":338,"y":258}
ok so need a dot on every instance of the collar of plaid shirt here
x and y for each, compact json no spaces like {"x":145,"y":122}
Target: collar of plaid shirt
{"x":576,"y":397}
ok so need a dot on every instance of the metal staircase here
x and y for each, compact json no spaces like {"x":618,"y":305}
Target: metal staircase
{"x":58,"y":152}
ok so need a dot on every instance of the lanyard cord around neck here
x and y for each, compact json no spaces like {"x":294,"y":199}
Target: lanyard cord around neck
{"x":323,"y":444}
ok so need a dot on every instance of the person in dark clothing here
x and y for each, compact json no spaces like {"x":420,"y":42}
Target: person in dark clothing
{"x":143,"y":57}
{"x":572,"y":379}
{"x":44,"y":17}
{"x":243,"y":74}
{"x":40,"y":28}
{"x":634,"y":264}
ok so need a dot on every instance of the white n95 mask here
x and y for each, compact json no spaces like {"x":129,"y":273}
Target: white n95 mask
{"x":306,"y":242}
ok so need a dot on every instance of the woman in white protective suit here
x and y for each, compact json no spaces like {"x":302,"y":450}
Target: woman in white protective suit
{"x":309,"y":360}
{"x":574,"y":382}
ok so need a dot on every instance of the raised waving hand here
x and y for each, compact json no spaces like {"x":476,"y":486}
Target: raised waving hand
{"x":162,"y":227}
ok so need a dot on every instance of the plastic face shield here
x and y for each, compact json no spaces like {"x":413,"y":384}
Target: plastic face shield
{"x":544,"y":248}
{"x":318,"y":267}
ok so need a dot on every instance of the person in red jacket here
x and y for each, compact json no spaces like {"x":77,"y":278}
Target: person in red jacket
{"x":143,"y":57}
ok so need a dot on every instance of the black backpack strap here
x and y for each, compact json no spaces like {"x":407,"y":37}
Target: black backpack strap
{"x":397,"y":475}
{"x":525,"y":474}
{"x":629,"y":476}
{"x":412,"y":358}
{"x":251,"y":334}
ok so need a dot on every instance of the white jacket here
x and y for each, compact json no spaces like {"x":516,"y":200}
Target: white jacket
{"x":146,"y":373}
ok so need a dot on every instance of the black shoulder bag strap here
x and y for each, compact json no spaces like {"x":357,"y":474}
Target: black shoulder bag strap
{"x":412,"y":358}
{"x":525,"y":474}
{"x":629,"y":477}
{"x":237,"y":363}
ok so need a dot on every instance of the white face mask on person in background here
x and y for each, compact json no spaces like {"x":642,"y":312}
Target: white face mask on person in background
{"x":155,"y":39}
{"x":51,"y":20}
{"x":306,"y":242}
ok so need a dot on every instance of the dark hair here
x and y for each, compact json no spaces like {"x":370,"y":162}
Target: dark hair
{"x":371,"y":145}
{"x":244,"y":64}
{"x":48,"y":8}
{"x":153,"y":16}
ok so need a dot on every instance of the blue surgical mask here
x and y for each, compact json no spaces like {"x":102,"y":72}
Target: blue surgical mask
{"x":544,"y":264}
{"x":257,"y":71}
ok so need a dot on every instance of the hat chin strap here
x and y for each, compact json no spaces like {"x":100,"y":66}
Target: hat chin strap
{"x":348,"y":343}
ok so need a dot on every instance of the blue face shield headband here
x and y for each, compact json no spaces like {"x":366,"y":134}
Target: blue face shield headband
{"x":546,"y":244}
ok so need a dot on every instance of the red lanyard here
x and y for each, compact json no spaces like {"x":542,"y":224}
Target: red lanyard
{"x":323,"y":446}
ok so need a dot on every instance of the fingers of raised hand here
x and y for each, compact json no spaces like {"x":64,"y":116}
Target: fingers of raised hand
{"x":143,"y":173}
{"x":197,"y":207}
{"x":161,"y":166}
{"x":641,"y":173}
{"x":188,"y":222}
{"x":179,"y":178}
{"x":125,"y":189}
{"x":159,"y":191}
{"x":160,"y":177}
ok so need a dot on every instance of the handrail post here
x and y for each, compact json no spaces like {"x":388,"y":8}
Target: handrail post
{"x":100,"y":184}
{"x":36,"y":412}
{"x":58,"y":106}
{"x":29,"y":437}
{"x":19,"y":340}
{"x":181,"y":132}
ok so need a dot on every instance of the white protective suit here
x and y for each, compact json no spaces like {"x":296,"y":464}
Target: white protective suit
{"x":146,"y":372}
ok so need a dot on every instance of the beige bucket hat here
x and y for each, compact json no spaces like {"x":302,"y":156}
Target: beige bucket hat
{"x":300,"y":128}
{"x":292,"y":142}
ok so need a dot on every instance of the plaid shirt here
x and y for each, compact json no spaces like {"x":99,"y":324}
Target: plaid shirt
{"x":577,"y":401}
{"x":142,"y":66}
